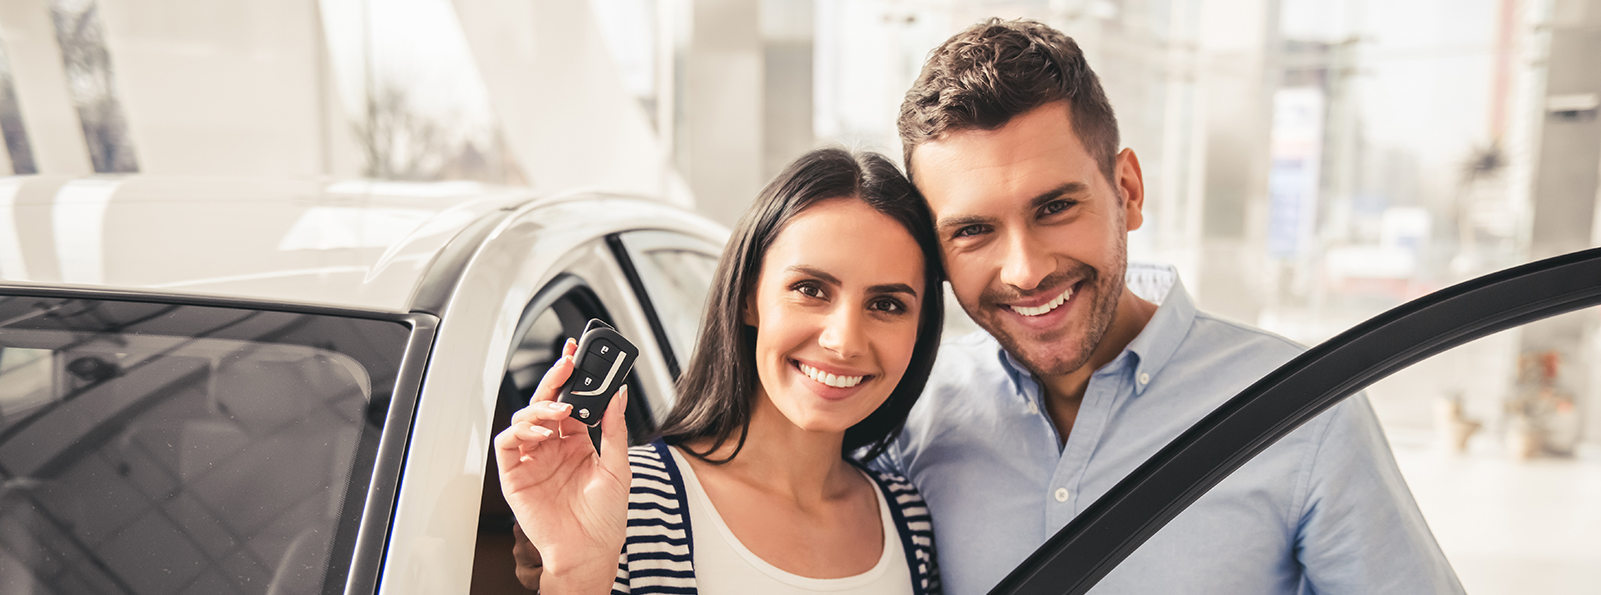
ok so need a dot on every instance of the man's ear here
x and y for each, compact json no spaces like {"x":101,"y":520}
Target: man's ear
{"x":1131,"y":188}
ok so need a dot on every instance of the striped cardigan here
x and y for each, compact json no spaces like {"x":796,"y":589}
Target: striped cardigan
{"x":658,"y":555}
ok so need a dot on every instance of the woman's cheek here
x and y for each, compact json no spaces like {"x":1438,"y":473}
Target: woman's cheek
{"x":899,"y":356}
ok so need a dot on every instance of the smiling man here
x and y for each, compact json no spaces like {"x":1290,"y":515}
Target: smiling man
{"x":1077,"y":380}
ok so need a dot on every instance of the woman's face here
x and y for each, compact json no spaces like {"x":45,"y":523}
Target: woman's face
{"x":836,"y":313}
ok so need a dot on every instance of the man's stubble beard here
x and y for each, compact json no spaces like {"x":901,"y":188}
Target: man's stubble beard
{"x":1108,"y":290}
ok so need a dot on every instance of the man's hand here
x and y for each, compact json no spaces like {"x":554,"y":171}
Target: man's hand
{"x":570,"y":503}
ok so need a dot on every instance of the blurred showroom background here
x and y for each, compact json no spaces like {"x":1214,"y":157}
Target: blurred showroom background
{"x":1309,"y":163}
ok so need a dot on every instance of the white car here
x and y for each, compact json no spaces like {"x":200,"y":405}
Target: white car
{"x":224,"y":386}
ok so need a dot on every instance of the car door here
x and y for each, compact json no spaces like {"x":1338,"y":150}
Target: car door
{"x":547,"y":252}
{"x":1109,"y":530}
{"x":648,"y":283}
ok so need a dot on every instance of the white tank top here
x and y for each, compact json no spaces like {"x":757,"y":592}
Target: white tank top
{"x":723,"y":566}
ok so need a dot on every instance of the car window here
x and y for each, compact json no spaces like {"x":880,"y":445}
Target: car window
{"x":157,"y":448}
{"x":676,"y":273}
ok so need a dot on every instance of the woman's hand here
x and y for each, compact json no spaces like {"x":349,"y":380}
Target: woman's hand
{"x":571,"y":502}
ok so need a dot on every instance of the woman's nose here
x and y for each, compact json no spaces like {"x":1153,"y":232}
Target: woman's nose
{"x":842,"y":332}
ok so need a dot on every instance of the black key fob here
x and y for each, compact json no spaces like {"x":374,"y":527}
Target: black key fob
{"x":603,"y":361}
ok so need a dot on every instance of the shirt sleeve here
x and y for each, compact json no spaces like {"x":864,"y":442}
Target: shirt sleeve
{"x":1360,"y":531}
{"x":888,"y":462}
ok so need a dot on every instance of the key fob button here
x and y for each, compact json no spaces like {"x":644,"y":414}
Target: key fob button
{"x":596,"y":367}
{"x":603,"y":349}
{"x":587,"y":381}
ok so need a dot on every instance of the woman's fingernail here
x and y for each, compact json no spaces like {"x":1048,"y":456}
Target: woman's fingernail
{"x":558,"y":406}
{"x":541,"y":430}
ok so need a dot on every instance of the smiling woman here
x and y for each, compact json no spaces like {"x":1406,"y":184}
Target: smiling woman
{"x":820,"y":332}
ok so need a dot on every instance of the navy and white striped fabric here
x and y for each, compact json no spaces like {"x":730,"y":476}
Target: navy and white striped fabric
{"x":658,"y":555}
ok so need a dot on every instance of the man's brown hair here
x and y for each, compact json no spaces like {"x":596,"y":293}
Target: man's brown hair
{"x":996,"y":70}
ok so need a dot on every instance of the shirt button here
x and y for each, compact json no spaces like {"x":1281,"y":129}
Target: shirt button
{"x":1033,"y":409}
{"x":1061,"y":494}
{"x":1145,"y":378}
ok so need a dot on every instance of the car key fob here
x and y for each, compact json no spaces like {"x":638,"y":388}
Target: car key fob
{"x":603,"y":361}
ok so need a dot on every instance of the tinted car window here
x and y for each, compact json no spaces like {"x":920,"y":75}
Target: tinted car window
{"x":156,"y":448}
{"x":677,"y":276}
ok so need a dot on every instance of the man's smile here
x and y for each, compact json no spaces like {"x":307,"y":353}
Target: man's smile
{"x":1046,"y":307}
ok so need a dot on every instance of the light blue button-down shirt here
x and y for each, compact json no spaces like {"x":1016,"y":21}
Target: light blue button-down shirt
{"x":1324,"y":510}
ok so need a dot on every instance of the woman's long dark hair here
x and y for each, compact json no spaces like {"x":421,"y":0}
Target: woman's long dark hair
{"x":715,"y":393}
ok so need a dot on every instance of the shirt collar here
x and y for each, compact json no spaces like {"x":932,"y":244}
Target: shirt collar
{"x":1155,"y":344}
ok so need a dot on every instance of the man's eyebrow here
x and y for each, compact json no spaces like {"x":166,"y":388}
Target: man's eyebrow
{"x":1057,"y":193}
{"x":963,"y":221}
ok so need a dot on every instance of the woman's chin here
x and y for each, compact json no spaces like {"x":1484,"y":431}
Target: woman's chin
{"x":827,"y":416}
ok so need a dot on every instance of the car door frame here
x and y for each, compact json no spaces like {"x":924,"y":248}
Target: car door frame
{"x":429,"y":548}
{"x":1114,"y":526}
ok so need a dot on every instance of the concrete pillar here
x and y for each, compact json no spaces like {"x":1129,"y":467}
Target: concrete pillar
{"x":719,"y":146}
{"x":249,"y":104}
{"x":560,"y":99}
{"x":1236,"y":41}
{"x":787,"y":49}
{"x":1565,"y":191}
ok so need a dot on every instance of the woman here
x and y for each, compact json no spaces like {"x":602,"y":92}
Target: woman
{"x":820,"y":331}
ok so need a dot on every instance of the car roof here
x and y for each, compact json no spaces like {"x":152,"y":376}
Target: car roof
{"x":358,"y":244}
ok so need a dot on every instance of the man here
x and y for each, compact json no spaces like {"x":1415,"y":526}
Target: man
{"x":1010,"y":138}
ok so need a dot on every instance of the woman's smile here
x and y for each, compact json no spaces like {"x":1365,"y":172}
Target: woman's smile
{"x":834,"y":330}
{"x":831,"y":382}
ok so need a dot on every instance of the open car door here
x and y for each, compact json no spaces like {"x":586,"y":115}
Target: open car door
{"x":1097,"y":540}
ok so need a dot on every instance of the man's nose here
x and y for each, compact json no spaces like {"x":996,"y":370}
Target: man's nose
{"x":1024,"y":262}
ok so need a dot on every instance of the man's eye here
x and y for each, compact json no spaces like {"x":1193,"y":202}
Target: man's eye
{"x":970,"y":231}
{"x":1055,"y":206}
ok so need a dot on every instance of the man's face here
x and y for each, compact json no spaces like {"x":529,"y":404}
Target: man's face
{"x":1033,"y":235}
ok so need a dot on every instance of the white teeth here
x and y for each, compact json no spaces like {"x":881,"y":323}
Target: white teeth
{"x":1047,"y":306}
{"x":830,"y":379}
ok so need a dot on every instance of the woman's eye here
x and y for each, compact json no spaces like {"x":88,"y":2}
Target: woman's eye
{"x":809,"y":290}
{"x":888,"y":305}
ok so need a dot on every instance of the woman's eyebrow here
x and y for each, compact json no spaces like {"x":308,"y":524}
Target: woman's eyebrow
{"x":832,"y":280}
{"x":892,"y":288}
{"x":813,"y":272}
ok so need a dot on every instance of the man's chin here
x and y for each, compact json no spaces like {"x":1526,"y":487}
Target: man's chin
{"x":1052,"y":354}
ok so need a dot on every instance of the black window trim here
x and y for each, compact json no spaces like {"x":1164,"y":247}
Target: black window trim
{"x":657,"y":329}
{"x":1114,"y":526}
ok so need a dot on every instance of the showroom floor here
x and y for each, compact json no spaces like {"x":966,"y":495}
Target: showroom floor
{"x":1509,"y":527}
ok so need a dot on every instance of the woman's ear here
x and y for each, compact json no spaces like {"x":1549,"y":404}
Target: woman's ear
{"x":747,"y":310}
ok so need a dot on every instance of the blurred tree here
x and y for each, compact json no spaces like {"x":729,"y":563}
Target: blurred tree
{"x":89,"y":79}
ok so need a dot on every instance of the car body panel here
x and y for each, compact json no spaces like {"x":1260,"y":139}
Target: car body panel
{"x":354,"y":244}
{"x":438,"y":504}
{"x":460,"y":261}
